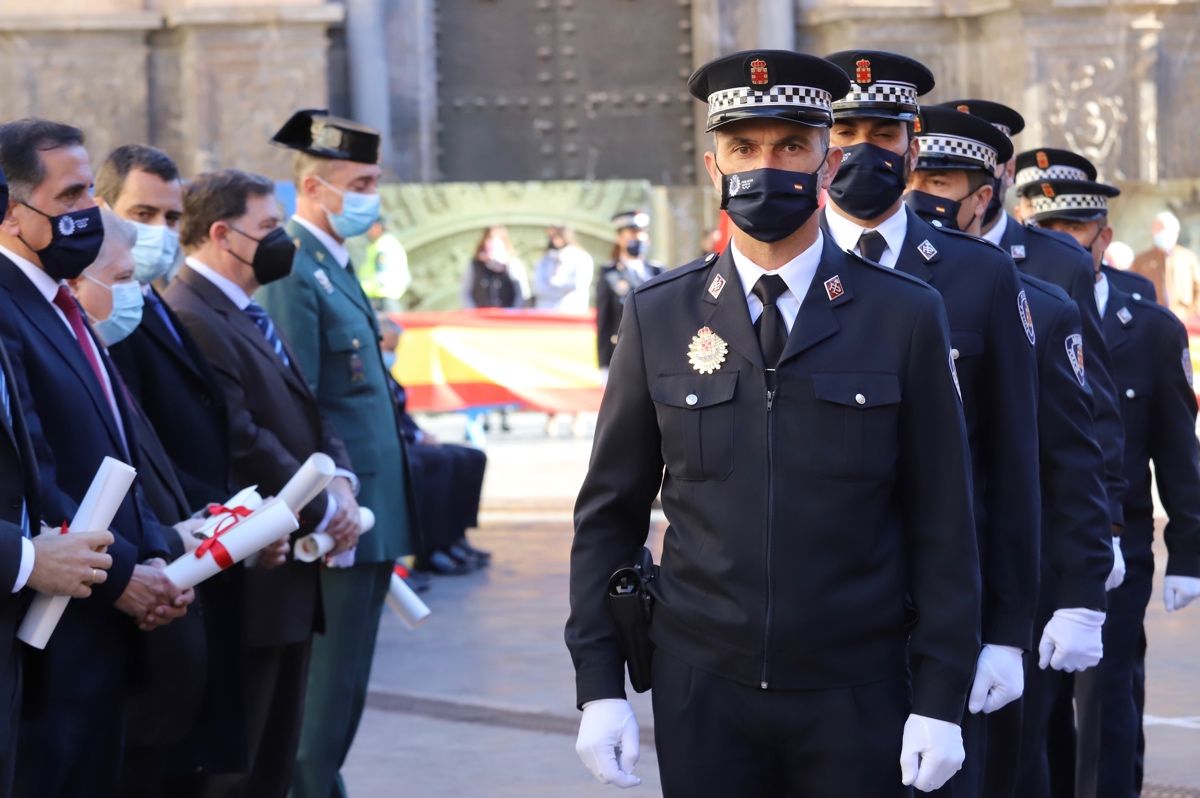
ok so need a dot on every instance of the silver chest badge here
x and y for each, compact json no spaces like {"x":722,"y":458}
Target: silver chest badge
{"x":707,"y":351}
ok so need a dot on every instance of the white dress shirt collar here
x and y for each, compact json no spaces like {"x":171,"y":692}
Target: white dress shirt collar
{"x":1100,"y":289}
{"x":997,"y":232}
{"x":336,"y":248}
{"x":46,"y":285}
{"x":893,"y":229}
{"x":226,"y":286}
{"x":797,"y":273}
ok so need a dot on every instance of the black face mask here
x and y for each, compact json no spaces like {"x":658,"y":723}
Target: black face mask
{"x":769,"y":204}
{"x":75,"y":242}
{"x":273,"y":257}
{"x":938,"y":211}
{"x":995,"y":205}
{"x":869,"y":181}
{"x":635,"y":248}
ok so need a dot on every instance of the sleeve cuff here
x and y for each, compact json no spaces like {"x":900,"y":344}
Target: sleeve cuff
{"x":1183,"y":565}
{"x":28,"y":554}
{"x":350,"y":476}
{"x":331,"y":508}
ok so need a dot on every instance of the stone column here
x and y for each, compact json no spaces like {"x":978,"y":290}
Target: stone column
{"x":413,"y":80}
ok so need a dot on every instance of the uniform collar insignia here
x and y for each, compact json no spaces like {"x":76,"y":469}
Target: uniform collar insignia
{"x":1124,"y":315}
{"x":715,"y":287}
{"x":323,"y":280}
{"x":833,"y":287}
{"x":1017,"y":251}
{"x":928,"y":251}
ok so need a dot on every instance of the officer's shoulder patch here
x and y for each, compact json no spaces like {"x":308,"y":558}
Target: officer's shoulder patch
{"x":1074,"y":346}
{"x":1187,"y":367}
{"x":1026,"y":314}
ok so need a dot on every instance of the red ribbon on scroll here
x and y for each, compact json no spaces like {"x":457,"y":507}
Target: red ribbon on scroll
{"x":221,"y":554}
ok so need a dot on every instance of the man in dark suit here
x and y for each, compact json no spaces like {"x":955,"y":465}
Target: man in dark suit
{"x":1153,"y":370}
{"x":989,"y":334}
{"x":630,"y":267}
{"x":76,"y":415}
{"x":235,"y":242}
{"x":781,"y":598}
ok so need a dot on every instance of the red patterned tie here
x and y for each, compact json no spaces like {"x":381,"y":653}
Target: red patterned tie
{"x":70,"y":308}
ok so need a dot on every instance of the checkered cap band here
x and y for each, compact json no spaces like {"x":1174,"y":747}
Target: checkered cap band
{"x":902,"y":94}
{"x":1032,"y":174}
{"x":940,"y":144}
{"x":1069,"y":202}
{"x":1005,"y":129}
{"x":786,"y":96}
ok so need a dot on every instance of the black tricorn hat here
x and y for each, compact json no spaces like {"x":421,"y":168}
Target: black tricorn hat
{"x":315,"y":132}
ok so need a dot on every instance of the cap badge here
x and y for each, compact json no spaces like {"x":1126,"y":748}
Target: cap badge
{"x":1026,"y":317}
{"x":1017,"y":251}
{"x":1124,"y":316}
{"x":928,"y":251}
{"x":707,"y":351}
{"x":963,"y":108}
{"x":917,"y":125}
{"x":714,"y":288}
{"x":833,"y":287}
{"x":758,"y":73}
{"x":1048,"y":190}
{"x":862,"y":71}
{"x":1043,"y":161}
{"x":1074,"y":344}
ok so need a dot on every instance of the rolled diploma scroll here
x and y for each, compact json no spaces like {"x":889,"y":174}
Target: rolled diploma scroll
{"x":96,"y":512}
{"x":405,"y":603}
{"x":311,"y":548}
{"x":247,"y":497}
{"x":270,"y":522}
{"x":312,"y":478}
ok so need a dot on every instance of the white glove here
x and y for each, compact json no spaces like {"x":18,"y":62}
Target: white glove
{"x":1117,"y":575}
{"x":999,"y":678}
{"x":1072,"y":640}
{"x":608,"y":741}
{"x":931,"y":752}
{"x":1180,"y":591}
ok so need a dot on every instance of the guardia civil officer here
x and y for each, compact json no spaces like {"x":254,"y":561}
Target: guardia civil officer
{"x":1076,"y":557}
{"x":629,"y":268}
{"x":1059,"y":260}
{"x":798,"y":407}
{"x":989,"y":332}
{"x":1153,"y":370}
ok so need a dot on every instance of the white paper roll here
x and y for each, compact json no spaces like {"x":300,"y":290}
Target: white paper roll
{"x":246,"y":497}
{"x":95,"y":513}
{"x":405,"y":603}
{"x":311,"y":548}
{"x":270,"y":522}
{"x":312,"y":478}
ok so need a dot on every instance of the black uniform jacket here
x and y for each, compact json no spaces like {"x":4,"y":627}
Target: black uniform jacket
{"x":800,"y":519}
{"x":1132,"y":283}
{"x":614,"y":284}
{"x":1059,"y":260}
{"x":1152,"y":367}
{"x":1076,"y":548}
{"x":992,"y":344}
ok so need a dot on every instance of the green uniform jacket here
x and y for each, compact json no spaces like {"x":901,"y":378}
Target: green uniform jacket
{"x":331,"y":329}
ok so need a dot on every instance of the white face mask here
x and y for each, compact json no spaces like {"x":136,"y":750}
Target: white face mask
{"x":126,"y":312}
{"x":155,"y":252}
{"x":1165,"y":240}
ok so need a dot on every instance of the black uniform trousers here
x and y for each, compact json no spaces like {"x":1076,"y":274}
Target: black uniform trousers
{"x":448,"y":481}
{"x":716,"y":738}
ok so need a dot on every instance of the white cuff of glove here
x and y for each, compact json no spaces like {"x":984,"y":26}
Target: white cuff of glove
{"x":1072,"y":640}
{"x":608,"y":741}
{"x":999,"y":678}
{"x":1117,"y":575}
{"x":931,"y":752}
{"x":1180,"y":591}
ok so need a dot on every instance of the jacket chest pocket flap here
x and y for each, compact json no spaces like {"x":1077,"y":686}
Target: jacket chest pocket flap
{"x":858,"y":417}
{"x":696,"y":422}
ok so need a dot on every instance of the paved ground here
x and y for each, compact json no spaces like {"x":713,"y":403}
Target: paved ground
{"x":480,"y":700}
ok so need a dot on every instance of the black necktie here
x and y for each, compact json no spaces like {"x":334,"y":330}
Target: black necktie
{"x":772,"y":331}
{"x":871,"y":245}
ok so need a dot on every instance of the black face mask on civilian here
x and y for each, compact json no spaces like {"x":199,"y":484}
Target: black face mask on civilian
{"x":635,"y":248}
{"x":75,"y":242}
{"x":273,"y":257}
{"x":869,"y":181}
{"x":769,"y":204}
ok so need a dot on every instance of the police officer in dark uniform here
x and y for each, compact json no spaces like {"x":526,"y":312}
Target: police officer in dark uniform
{"x":1059,"y":260}
{"x":1152,"y":366}
{"x":1076,"y":554}
{"x":628,"y":269}
{"x":991,"y":342}
{"x":798,"y":407}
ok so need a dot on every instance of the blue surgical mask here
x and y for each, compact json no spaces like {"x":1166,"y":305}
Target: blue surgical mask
{"x":359,"y":212}
{"x":155,"y":252}
{"x":389,"y":360}
{"x":126,"y":312}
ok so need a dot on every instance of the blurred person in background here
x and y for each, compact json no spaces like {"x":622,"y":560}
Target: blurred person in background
{"x":561,"y":281}
{"x":1116,"y":265}
{"x":385,"y":276}
{"x":495,"y":277}
{"x":628,"y":269}
{"x":1174,"y":269}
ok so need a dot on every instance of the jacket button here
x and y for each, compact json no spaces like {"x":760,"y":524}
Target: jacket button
{"x":954,"y":354}
{"x":1129,"y":393}
{"x":355,"y":343}
{"x":692,"y":399}
{"x":858,"y":397}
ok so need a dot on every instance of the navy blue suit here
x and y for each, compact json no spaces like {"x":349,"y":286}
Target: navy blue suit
{"x":1059,"y":260}
{"x":1149,"y":345}
{"x":87,"y":663}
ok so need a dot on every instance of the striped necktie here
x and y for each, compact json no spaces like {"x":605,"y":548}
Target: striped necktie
{"x":264,"y":323}
{"x":6,"y":400}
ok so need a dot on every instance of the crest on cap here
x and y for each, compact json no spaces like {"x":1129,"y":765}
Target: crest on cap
{"x":1048,"y":190}
{"x":1026,"y":317}
{"x":1043,"y":160}
{"x":1074,"y":344}
{"x":759,"y":76}
{"x":963,"y":108}
{"x":917,"y":125}
{"x":862,"y":71}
